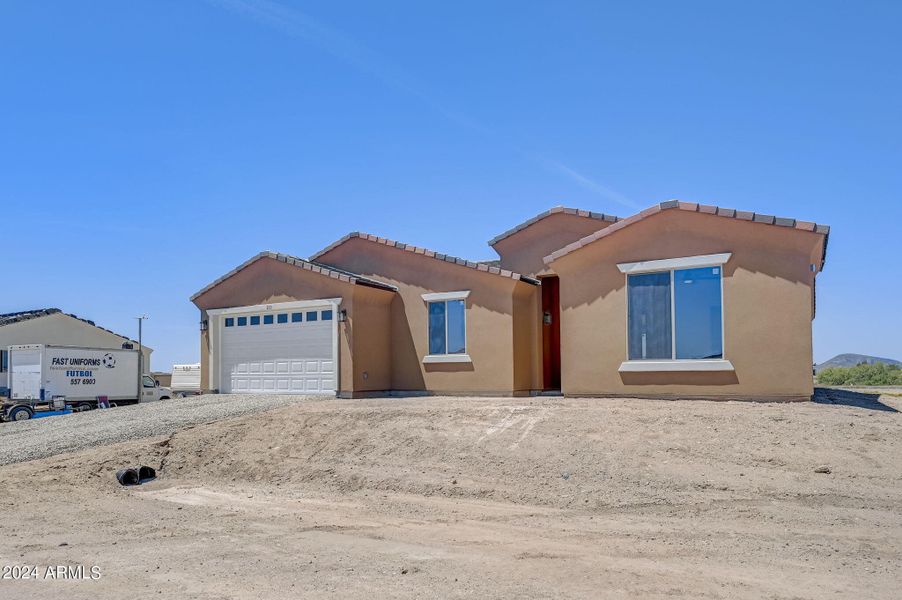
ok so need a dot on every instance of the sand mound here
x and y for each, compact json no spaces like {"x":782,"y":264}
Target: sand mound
{"x":453,"y":497}
{"x":555,"y":453}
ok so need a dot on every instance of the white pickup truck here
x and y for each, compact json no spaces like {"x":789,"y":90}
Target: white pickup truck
{"x":78,"y":378}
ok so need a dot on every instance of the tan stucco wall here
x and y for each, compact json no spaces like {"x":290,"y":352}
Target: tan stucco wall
{"x":60,"y":329}
{"x":767,"y":304}
{"x":204,"y":356}
{"x":490,"y":320}
{"x":369,"y":327}
{"x":269,"y":281}
{"x":523,"y":251}
{"x":527,"y":338}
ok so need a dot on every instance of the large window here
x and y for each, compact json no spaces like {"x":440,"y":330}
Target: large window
{"x":447,"y":327}
{"x":676,"y":314}
{"x":447,"y":317}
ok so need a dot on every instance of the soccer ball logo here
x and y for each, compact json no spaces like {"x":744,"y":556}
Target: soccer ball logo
{"x":109,"y":361}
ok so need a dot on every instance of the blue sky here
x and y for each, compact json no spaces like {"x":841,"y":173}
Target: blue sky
{"x":149,"y":147}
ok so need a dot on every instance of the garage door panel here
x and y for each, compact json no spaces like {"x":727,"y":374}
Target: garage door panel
{"x":278,"y":358}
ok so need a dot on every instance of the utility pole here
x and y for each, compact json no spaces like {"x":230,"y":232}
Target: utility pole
{"x":140,"y":358}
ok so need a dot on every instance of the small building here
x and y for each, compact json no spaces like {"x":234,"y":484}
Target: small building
{"x":679,"y":300}
{"x":52,"y":326}
{"x":163,"y":378}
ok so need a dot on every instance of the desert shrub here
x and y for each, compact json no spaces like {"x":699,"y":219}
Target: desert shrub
{"x":862,"y":374}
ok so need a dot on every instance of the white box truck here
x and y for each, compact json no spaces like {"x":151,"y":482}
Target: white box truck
{"x":185,"y":380}
{"x":39,"y":373}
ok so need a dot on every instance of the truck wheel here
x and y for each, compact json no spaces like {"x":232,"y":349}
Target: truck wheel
{"x":164,"y":397}
{"x":82,"y":406}
{"x":19,"y":413}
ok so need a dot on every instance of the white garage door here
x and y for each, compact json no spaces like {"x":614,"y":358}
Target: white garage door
{"x":278,"y":351}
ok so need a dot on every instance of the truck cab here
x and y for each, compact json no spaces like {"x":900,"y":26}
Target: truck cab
{"x":152,"y":391}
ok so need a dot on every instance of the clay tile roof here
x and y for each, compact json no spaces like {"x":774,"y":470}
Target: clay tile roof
{"x":27,"y":315}
{"x":553,"y":211}
{"x":308,"y":265}
{"x":729,"y":213}
{"x":484,"y":267}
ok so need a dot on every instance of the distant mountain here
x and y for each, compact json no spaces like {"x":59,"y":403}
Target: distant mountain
{"x":850,"y":360}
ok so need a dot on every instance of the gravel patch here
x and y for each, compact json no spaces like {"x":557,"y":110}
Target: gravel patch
{"x":28,"y":440}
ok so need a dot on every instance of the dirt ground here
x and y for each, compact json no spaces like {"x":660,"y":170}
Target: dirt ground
{"x":459,"y":497}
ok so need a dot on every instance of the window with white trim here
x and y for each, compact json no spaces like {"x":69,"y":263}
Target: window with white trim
{"x":447,"y":315}
{"x":676,"y":313}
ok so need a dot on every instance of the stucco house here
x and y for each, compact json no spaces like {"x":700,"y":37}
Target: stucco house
{"x":53,"y":326}
{"x":679,"y":300}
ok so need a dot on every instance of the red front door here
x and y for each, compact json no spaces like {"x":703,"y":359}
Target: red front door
{"x":551,"y":333}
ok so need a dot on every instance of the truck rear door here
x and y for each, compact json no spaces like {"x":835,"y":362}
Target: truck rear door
{"x":25,"y":374}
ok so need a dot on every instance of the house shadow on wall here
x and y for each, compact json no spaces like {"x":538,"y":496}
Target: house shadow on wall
{"x":850,"y":398}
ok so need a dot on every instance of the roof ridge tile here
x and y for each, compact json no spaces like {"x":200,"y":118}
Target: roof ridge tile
{"x":730,"y":213}
{"x":426,"y":253}
{"x":553,"y":211}
{"x":308,"y":265}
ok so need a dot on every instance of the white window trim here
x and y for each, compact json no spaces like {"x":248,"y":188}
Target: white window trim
{"x":441,"y":296}
{"x":714,"y":364}
{"x":673,"y":363}
{"x":668,"y":264}
{"x":447,"y":358}
{"x":445,"y":297}
{"x":276,"y":306}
